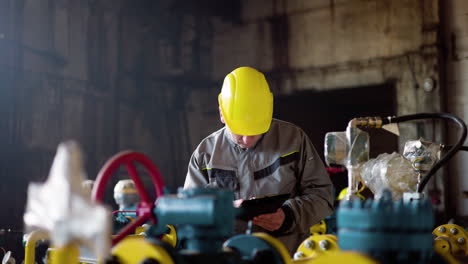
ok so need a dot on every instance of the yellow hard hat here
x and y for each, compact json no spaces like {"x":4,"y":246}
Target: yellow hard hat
{"x":246,"y":102}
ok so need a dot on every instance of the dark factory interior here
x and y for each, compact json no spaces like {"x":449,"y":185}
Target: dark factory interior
{"x":149,"y":76}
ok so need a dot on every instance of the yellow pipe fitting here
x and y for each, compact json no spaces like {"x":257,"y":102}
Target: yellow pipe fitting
{"x":340,"y":257}
{"x":280,"y":248}
{"x":316,"y":246}
{"x":318,"y":229}
{"x":30,"y":247}
{"x":135,"y":249}
{"x":68,"y":254}
{"x":451,"y":241}
{"x":170,"y":238}
{"x":443,"y":247}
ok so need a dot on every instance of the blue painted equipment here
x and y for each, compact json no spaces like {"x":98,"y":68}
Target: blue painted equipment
{"x":204,"y":217}
{"x":389,"y":231}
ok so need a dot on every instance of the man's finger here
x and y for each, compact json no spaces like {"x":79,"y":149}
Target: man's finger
{"x":267,"y":216}
{"x":264,"y":225}
{"x":237,"y":203}
{"x":269,"y":227}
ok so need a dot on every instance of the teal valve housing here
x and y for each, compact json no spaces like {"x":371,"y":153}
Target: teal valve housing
{"x":204,"y":217}
{"x":390,"y":231}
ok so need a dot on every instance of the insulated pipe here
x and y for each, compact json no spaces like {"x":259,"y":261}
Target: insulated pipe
{"x":449,"y":154}
{"x":377,"y":122}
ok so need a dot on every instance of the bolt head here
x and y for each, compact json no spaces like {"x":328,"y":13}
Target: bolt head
{"x":299,"y":255}
{"x":453,"y":231}
{"x":461,"y":240}
{"x":309,"y":244}
{"x":442,"y":229}
{"x":324,"y":245}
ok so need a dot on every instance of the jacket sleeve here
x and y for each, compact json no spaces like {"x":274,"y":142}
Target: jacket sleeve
{"x":196,"y":176}
{"x":314,"y":191}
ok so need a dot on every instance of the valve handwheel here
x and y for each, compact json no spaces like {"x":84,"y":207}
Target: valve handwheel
{"x":145,"y":207}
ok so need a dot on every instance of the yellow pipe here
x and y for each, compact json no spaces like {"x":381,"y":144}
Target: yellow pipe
{"x":65,"y":255}
{"x":30,"y":247}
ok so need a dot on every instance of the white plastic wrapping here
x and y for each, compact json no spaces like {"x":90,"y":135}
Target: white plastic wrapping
{"x":350,"y":149}
{"x":336,"y":148}
{"x":346,"y":148}
{"x":61,"y":207}
{"x":358,"y":146}
{"x":389,"y":171}
{"x":422,"y":154}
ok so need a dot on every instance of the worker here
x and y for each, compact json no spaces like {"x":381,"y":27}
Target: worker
{"x":254,"y":155}
{"x":126,"y":195}
{"x":127,"y":198}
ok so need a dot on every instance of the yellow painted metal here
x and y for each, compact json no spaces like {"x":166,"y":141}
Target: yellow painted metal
{"x":343,"y":193}
{"x":316,"y":246}
{"x":443,"y":247}
{"x":140,"y":229}
{"x":135,"y":249}
{"x":170,"y":238}
{"x":64,"y":255}
{"x":280,"y":248}
{"x":451,"y":242}
{"x":318,"y":229}
{"x":30,"y":247}
{"x":347,"y":257}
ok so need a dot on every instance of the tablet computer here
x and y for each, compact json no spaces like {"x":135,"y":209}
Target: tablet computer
{"x":263,"y":205}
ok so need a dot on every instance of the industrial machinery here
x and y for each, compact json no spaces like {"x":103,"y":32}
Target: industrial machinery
{"x":317,"y":245}
{"x":451,"y":243}
{"x":385,"y":230}
{"x":396,"y":227}
{"x":204,"y":220}
{"x":389,"y":231}
{"x":351,"y":149}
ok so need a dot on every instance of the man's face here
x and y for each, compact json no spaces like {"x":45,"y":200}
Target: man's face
{"x":245,"y":141}
{"x":242,"y":141}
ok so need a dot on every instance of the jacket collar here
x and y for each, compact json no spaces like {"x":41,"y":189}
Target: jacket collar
{"x":227,"y":136}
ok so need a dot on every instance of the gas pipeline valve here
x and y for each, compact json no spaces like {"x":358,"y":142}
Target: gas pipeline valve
{"x":204,"y":217}
{"x":389,"y":231}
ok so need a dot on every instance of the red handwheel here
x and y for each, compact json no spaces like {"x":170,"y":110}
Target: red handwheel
{"x":145,"y":207}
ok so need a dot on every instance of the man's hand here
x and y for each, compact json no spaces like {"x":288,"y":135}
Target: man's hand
{"x":270,"y":222}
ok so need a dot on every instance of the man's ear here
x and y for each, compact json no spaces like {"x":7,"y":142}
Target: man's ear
{"x":221,"y":118}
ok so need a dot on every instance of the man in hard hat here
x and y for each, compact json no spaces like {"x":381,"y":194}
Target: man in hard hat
{"x":255,"y":155}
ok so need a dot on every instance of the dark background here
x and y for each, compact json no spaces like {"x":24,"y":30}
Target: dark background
{"x":144,"y":75}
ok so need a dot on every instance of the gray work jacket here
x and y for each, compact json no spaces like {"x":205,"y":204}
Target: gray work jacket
{"x":283,"y":161}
